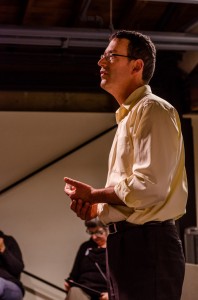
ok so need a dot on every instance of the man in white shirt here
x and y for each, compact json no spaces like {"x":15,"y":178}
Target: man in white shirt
{"x":146,"y":188}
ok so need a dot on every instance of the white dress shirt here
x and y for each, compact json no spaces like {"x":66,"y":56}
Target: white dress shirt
{"x":146,"y":162}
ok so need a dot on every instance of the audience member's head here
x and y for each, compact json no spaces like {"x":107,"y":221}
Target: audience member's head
{"x":98,"y":231}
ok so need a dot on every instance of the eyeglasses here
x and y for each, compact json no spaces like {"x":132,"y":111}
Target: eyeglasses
{"x":97,"y":232}
{"x":109,"y":56}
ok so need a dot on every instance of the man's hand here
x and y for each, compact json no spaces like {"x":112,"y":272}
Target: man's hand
{"x":78,"y":190}
{"x":80,"y":194}
{"x":84,"y":210}
{"x":86,"y":193}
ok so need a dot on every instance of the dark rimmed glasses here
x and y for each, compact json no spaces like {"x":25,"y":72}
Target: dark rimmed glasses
{"x":99,"y":232}
{"x":109,"y":56}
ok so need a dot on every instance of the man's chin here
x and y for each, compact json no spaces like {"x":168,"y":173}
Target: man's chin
{"x":103,"y":84}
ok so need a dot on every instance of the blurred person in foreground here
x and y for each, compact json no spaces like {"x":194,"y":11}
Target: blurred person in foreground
{"x":146,"y":188}
{"x":11,"y":266}
{"x":87,"y":280}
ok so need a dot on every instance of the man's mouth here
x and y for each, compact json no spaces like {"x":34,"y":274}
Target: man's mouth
{"x":103,"y":73}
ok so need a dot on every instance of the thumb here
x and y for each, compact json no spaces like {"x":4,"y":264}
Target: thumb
{"x":69,"y":180}
{"x":72,"y":182}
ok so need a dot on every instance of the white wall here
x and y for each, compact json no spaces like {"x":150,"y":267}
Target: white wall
{"x":36,"y":212}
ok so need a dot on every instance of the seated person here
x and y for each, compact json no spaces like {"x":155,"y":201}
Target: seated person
{"x":11,"y":266}
{"x":89,"y":269}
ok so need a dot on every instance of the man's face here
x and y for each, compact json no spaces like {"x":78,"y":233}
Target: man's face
{"x":115,"y":71}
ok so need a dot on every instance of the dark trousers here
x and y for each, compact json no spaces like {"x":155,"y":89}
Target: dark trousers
{"x":145,"y":263}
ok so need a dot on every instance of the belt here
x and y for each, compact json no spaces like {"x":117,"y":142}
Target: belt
{"x":124,"y":225}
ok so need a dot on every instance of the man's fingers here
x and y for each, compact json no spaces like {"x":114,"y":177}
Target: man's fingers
{"x":82,"y":209}
{"x":84,"y":213}
{"x":72,"y":182}
{"x":69,"y":189}
{"x":73,"y":205}
{"x":76,"y":206}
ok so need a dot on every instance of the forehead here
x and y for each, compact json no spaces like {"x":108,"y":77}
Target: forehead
{"x":117,"y":45}
{"x":94,"y":228}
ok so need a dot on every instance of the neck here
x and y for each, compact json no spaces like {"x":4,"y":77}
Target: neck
{"x":121,"y":97}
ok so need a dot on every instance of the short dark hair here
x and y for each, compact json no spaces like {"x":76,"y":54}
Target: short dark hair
{"x":140,"y":46}
{"x":94,"y":223}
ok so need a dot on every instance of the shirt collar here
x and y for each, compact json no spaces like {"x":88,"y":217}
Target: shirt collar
{"x":130,"y":102}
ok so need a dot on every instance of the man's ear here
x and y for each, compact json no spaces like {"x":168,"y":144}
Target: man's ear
{"x":138,"y":65}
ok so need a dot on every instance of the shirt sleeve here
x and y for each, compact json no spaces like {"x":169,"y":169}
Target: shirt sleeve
{"x":156,"y":139}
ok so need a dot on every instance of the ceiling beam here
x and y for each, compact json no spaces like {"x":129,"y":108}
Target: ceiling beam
{"x":174,"y":1}
{"x":76,"y":37}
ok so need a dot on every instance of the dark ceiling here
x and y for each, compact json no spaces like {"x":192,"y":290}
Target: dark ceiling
{"x":52,"y":46}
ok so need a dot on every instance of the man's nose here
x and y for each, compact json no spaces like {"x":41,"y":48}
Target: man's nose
{"x":101,"y":61}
